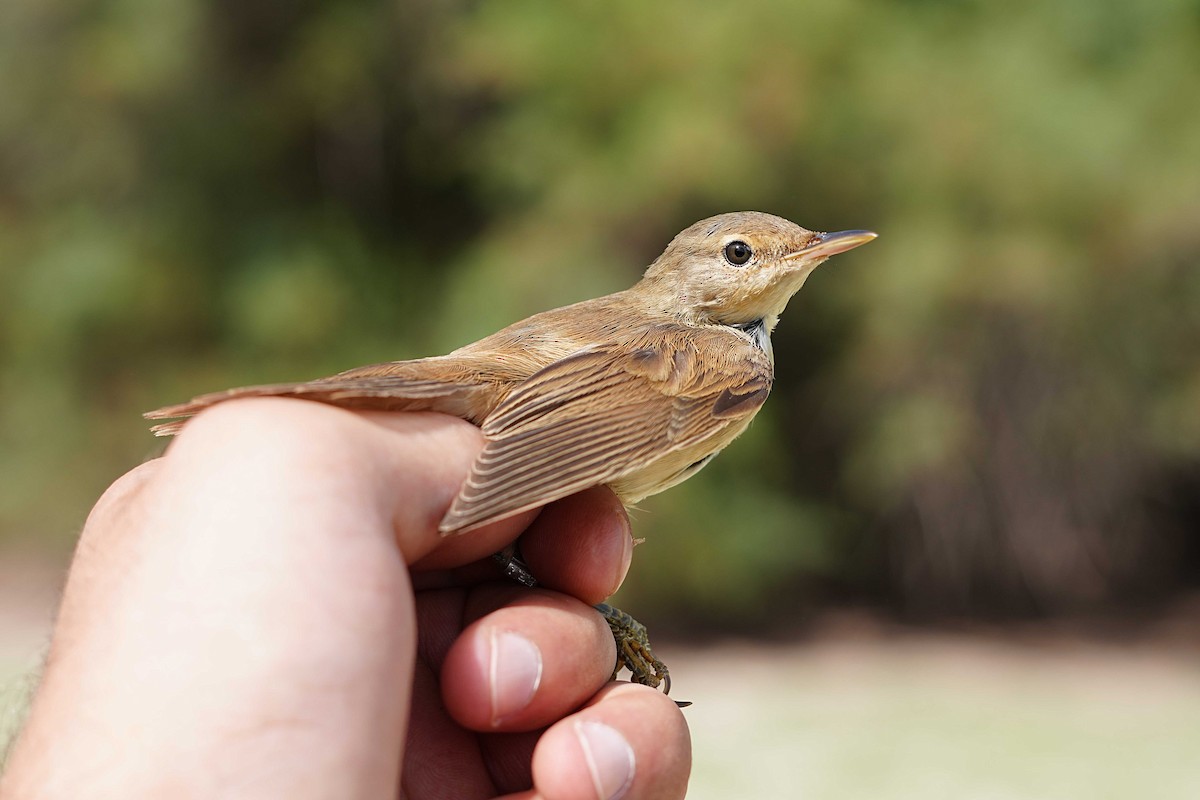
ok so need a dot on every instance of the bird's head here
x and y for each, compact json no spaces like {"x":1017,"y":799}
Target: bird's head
{"x":739,"y":268}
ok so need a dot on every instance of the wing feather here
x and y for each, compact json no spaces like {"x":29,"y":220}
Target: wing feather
{"x":601,"y":414}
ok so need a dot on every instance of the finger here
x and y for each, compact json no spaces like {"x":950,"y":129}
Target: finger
{"x":117,"y":496}
{"x":580,"y":545}
{"x":445,"y":447}
{"x":404,"y":468}
{"x":118,"y":499}
{"x":529,"y":659}
{"x":630,"y":742}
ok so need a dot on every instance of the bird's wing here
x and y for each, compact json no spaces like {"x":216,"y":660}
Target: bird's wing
{"x":604,"y":413}
{"x":462,"y":386}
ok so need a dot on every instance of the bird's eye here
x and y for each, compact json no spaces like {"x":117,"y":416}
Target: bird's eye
{"x":738,"y":253}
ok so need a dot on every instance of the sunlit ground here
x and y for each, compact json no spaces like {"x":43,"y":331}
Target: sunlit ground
{"x":920,"y":716}
{"x":857,"y":713}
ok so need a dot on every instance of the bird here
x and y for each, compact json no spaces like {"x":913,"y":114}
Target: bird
{"x":636,"y":390}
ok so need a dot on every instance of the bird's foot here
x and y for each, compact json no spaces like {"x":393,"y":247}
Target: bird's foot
{"x":633,"y":643}
{"x":634,"y":653}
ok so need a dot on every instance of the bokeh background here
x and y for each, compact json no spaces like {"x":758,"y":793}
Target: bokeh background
{"x":987,"y":421}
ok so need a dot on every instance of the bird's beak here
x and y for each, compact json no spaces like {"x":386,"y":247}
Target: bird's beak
{"x":830,"y":244}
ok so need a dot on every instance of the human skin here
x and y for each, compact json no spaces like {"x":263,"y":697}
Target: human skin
{"x":268,"y":610}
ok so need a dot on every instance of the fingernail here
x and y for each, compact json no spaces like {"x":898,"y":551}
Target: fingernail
{"x":609,"y":758}
{"x":514,"y":670}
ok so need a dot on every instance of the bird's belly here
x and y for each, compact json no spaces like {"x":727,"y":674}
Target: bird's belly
{"x":673,"y":468}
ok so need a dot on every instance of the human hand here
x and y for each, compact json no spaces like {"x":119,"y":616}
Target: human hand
{"x":252,"y":614}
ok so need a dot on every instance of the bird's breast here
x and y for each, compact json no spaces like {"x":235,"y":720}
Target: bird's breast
{"x":676,"y":467}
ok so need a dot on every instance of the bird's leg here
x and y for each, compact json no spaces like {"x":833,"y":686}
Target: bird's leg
{"x":510,"y":561}
{"x":634,"y":653}
{"x":633,"y":649}
{"x":633,"y":643}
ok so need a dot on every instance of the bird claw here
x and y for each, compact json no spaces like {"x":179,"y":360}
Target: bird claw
{"x":634,"y":653}
{"x":633,"y":643}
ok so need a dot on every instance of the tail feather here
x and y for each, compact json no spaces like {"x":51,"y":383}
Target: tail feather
{"x":373,"y":394}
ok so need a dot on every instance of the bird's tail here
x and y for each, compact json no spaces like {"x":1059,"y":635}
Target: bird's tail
{"x":396,"y":392}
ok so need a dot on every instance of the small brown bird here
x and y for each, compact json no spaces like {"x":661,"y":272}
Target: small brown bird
{"x":637,"y":390}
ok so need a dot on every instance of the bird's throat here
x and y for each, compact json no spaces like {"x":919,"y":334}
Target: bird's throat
{"x":760,"y":333}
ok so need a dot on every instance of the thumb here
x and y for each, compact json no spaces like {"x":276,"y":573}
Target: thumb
{"x":404,"y":469}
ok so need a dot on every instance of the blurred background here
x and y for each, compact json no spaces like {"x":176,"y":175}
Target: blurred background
{"x":960,"y":547}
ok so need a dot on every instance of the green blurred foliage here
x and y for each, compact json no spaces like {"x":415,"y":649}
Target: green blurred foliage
{"x":995,"y":407}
